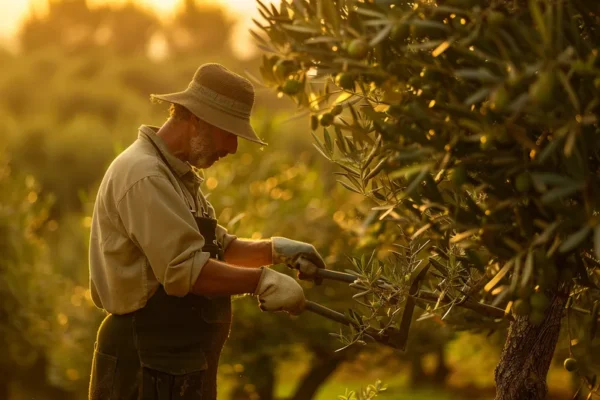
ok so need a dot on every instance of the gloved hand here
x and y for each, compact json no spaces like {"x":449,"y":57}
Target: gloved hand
{"x":289,"y":251}
{"x":279,"y":292}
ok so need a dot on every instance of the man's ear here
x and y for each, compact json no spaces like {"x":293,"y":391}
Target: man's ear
{"x":193,"y":126}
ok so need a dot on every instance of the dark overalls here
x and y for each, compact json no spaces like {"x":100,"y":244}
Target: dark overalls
{"x":167,"y":350}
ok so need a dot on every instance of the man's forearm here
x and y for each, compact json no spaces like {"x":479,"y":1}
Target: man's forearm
{"x":221,"y":279}
{"x":249,"y":253}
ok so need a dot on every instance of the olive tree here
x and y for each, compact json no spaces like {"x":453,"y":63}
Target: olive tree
{"x":473,"y":127}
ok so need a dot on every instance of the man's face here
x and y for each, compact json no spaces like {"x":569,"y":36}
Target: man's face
{"x":209,"y":143}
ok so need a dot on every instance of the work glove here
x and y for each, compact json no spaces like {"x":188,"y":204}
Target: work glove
{"x":279,"y":292}
{"x":289,"y":252}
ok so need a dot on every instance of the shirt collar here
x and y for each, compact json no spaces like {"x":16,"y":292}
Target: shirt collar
{"x":182,"y":168}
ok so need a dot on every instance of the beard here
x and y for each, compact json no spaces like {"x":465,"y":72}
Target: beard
{"x":202,"y":151}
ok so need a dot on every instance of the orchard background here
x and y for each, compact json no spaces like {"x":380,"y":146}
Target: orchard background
{"x":448,"y":148}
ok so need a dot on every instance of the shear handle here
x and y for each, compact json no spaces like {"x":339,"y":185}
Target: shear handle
{"x":309,"y":269}
{"x":387,"y":337}
{"x":328,"y":313}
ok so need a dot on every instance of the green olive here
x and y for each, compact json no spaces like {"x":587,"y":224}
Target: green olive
{"x":414,"y":81}
{"x":536,"y":317}
{"x":542,"y":90}
{"x":345,"y":81}
{"x":459,"y":175}
{"x":523,"y":182}
{"x":525,"y":292}
{"x":291,"y":86}
{"x":570,"y":364}
{"x":500,"y":99}
{"x":283,"y":68}
{"x":326,"y":119}
{"x":539,"y":302}
{"x":337,"y":110}
{"x":521,"y":307}
{"x":495,"y":19}
{"x":399,"y":32}
{"x":358,"y":48}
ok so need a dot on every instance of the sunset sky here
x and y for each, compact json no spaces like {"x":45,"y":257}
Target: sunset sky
{"x":12,"y":13}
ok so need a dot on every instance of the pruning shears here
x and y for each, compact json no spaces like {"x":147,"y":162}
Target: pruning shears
{"x":389,"y":336}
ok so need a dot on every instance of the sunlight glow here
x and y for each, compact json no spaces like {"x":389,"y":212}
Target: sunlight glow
{"x":13,"y":12}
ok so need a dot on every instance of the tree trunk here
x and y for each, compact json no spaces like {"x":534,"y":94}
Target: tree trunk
{"x":525,"y":360}
{"x":321,"y":370}
{"x":265,"y":384}
{"x":418,"y":377}
{"x":441,"y":370}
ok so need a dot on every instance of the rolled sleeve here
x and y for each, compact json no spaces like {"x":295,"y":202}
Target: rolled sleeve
{"x":224,"y":237}
{"x":221,"y":234}
{"x":162,"y":227}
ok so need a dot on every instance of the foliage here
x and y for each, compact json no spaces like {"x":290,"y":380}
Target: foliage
{"x":72,"y":101}
{"x":290,"y":193}
{"x":26,"y":277}
{"x":278,"y":191}
{"x":473,"y":127}
{"x":368,"y":393}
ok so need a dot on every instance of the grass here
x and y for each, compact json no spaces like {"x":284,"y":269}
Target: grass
{"x":334,"y":389}
{"x":396,"y":389}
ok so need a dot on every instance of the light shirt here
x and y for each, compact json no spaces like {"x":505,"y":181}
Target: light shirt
{"x":143,"y":231}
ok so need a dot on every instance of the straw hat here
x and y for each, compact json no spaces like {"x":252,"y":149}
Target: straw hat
{"x":220,"y":97}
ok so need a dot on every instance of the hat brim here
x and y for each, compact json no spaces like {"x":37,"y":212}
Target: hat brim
{"x":238,"y":126}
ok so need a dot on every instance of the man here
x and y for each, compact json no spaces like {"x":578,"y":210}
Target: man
{"x":161,"y":265}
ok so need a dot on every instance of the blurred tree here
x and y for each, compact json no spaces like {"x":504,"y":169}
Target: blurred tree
{"x":473,"y":126}
{"x":93,"y":104}
{"x":74,"y":27}
{"x":27,"y":286}
{"x":82,"y":151}
{"x":127,"y":29}
{"x":199,"y":29}
{"x":93,"y":101}
{"x":69,"y":24}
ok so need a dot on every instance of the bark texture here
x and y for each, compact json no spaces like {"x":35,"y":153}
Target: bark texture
{"x":525,"y":360}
